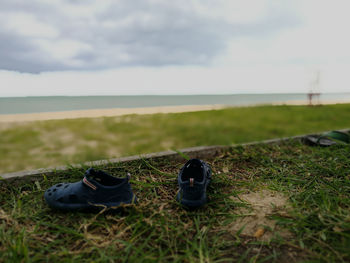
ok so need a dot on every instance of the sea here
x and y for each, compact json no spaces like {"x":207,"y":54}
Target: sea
{"x":15,"y":105}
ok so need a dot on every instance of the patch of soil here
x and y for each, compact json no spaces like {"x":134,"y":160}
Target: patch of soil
{"x":255,"y":220}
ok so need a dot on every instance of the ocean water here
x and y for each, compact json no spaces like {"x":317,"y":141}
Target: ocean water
{"x":58,"y":103}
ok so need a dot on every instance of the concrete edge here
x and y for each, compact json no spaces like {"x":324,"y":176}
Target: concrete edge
{"x":200,"y":151}
{"x":193,"y":152}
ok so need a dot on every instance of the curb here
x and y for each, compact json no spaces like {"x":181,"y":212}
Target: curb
{"x":198,"y":152}
{"x":193,"y":152}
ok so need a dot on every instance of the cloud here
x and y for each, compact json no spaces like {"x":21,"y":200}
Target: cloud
{"x":55,"y":35}
{"x":319,"y":40}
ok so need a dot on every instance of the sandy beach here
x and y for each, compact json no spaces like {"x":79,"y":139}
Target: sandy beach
{"x":103,"y":113}
{"x":27,"y":117}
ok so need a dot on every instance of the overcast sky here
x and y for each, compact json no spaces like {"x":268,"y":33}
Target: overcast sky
{"x":82,"y":47}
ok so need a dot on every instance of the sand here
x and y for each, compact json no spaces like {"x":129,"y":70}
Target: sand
{"x":12,"y":118}
{"x":6,"y":118}
{"x":255,"y":221}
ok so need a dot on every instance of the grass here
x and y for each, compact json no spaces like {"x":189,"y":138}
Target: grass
{"x":58,"y":142}
{"x":315,"y":181}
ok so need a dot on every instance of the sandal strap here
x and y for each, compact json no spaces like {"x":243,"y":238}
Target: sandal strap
{"x":89,"y":184}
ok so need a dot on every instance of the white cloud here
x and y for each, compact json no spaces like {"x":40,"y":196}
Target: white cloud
{"x":239,"y":11}
{"x":86,"y":35}
{"x":320,"y":39}
{"x":28,"y":25}
{"x":64,"y":50}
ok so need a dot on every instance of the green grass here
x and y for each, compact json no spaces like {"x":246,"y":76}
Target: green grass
{"x":58,"y":142}
{"x":316,"y":182}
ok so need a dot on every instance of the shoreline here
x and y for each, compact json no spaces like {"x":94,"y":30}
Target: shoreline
{"x":97,"y":113}
{"x":115,"y":112}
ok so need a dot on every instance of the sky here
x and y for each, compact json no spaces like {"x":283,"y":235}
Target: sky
{"x":136,"y":47}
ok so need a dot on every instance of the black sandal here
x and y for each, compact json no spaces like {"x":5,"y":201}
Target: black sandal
{"x":327,"y":139}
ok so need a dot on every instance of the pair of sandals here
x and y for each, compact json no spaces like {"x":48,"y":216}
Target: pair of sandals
{"x":99,"y":190}
{"x":327,"y":139}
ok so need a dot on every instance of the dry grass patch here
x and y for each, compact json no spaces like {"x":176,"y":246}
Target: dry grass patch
{"x":255,"y":221}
